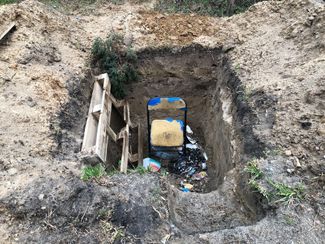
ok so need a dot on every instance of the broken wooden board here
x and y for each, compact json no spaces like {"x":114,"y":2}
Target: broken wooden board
{"x":11,"y":27}
{"x":109,"y":118}
{"x":95,"y":137}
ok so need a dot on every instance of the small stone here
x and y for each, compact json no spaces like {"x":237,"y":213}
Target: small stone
{"x":296,"y":162}
{"x":13,"y":66}
{"x":44,"y":207}
{"x":288,"y":153}
{"x":12,"y":171}
{"x":30,"y":102}
{"x":290,"y":171}
{"x":41,"y":197}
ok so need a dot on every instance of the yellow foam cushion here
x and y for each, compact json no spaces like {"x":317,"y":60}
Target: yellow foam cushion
{"x":167,"y":133}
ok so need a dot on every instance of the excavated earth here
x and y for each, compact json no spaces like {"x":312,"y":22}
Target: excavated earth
{"x":255,"y":88}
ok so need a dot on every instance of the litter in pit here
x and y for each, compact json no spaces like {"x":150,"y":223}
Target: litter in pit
{"x":191,"y":167}
{"x":152,"y":164}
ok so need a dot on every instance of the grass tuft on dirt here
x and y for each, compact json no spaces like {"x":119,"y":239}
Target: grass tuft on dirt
{"x":273,"y":192}
{"x":205,"y":7}
{"x":3,"y":2}
{"x":254,"y":171}
{"x":113,"y":57}
{"x":90,"y":172}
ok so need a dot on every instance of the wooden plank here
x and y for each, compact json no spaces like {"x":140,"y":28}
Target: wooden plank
{"x":140,"y":145}
{"x":133,"y":157}
{"x":112,"y":134}
{"x":106,"y":83}
{"x":125,"y":151}
{"x":102,"y":136}
{"x":92,"y":122}
{"x":98,"y":128}
{"x":117,"y":103}
{"x":7,"y":31}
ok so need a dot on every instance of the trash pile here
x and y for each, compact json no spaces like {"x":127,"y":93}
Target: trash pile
{"x":189,"y":168}
{"x":192,"y":166}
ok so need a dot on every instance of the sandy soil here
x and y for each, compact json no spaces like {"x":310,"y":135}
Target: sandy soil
{"x":276,"y":48}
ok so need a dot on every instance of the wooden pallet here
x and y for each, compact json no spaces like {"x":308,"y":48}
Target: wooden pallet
{"x":101,"y":125}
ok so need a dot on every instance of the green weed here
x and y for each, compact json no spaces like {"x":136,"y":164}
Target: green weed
{"x":274,"y":192}
{"x":110,"y":56}
{"x":260,"y":189}
{"x":3,"y":2}
{"x":253,"y":169}
{"x":113,"y":233}
{"x":140,"y":170}
{"x":104,"y":214}
{"x":286,"y":193}
{"x":90,"y":172}
{"x":204,"y":7}
{"x":289,"y":219}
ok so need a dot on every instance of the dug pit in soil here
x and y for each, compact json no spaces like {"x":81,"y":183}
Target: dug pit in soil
{"x":212,"y":92}
{"x":219,"y":118}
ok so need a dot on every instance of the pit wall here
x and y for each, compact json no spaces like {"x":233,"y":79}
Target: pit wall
{"x":201,"y":77}
{"x":219,"y":117}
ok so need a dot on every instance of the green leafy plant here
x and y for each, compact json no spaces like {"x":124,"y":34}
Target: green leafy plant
{"x":254,"y":170}
{"x":90,"y":172}
{"x":112,"y":57}
{"x":140,"y":170}
{"x":205,"y":7}
{"x":3,"y":2}
{"x":274,"y":192}
{"x":112,"y":232}
{"x":259,"y":188}
{"x":286,"y":193}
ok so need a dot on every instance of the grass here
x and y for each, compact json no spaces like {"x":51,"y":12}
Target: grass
{"x":274,"y":192}
{"x":289,"y":220}
{"x":104,"y":214}
{"x":204,"y":7}
{"x":90,"y":172}
{"x":259,"y":188}
{"x":140,"y":170}
{"x":253,"y":169}
{"x":112,"y":57}
{"x":113,"y":233}
{"x":285,"y":193}
{"x":3,"y":2}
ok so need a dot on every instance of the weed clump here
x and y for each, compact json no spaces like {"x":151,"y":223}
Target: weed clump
{"x":112,"y":57}
{"x":273,"y":192}
{"x":253,"y":169}
{"x":205,"y":7}
{"x":91,"y":172}
{"x":140,"y":170}
{"x":3,"y":2}
{"x":286,"y":193}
